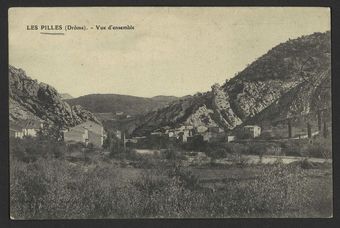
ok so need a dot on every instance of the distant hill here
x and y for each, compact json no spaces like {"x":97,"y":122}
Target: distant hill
{"x":65,"y":96}
{"x":111,"y":103}
{"x":165,"y":99}
{"x":292,"y":78}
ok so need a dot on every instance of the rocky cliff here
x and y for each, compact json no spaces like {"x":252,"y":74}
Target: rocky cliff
{"x":284,"y":81}
{"x":29,"y":99}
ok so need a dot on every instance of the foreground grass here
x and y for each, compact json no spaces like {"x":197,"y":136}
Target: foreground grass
{"x":59,"y":189}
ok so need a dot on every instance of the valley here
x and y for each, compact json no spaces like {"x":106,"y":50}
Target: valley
{"x":259,"y":145}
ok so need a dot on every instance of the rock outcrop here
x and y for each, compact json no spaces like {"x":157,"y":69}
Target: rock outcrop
{"x":29,"y":99}
{"x":278,"y":84}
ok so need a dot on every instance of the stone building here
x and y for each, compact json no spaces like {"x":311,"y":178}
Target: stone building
{"x":25,"y":128}
{"x":253,"y":130}
{"x":87,"y":132}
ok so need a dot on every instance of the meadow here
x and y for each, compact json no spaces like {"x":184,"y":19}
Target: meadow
{"x":60,"y":183}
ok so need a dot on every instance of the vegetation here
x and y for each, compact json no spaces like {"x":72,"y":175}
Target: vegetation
{"x":286,"y":59}
{"x":45,"y":183}
{"x":111,"y":103}
{"x":317,"y":147}
{"x":55,"y":189}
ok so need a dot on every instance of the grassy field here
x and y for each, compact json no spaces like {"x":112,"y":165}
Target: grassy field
{"x":97,"y":186}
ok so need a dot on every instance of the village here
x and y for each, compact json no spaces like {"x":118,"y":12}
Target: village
{"x":200,"y":112}
{"x":87,"y":133}
{"x":93,"y":134}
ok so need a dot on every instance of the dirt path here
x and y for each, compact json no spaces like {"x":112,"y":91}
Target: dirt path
{"x":249,"y":159}
{"x":270,"y":159}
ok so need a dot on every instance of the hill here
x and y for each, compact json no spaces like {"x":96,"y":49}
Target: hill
{"x":111,"y":103}
{"x":29,"y":99}
{"x":65,"y":96}
{"x":281,"y":83}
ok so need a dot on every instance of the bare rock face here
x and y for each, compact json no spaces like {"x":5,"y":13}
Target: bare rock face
{"x":306,"y":98}
{"x":29,"y":99}
{"x":201,"y":117}
{"x":224,"y":114}
{"x":273,"y":86}
{"x":251,"y":97}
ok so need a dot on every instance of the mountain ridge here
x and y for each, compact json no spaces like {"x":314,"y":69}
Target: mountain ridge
{"x":261,"y":84}
{"x":111,"y":103}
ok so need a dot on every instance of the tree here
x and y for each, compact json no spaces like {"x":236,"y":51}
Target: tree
{"x":50,"y":132}
{"x":241,"y":134}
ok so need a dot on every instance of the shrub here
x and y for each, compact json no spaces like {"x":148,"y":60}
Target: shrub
{"x":73,"y":147}
{"x":172,"y":154}
{"x":55,"y":189}
{"x":31,"y":149}
{"x":320,"y":147}
{"x":278,"y":189}
{"x":294,"y":147}
{"x":217,"y":152}
{"x":129,"y":154}
{"x":266,"y":135}
{"x":237,"y":148}
{"x":241,"y":134}
{"x":317,"y":147}
{"x":186,"y":176}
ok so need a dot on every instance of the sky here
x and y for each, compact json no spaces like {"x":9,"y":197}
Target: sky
{"x":171,"y":50}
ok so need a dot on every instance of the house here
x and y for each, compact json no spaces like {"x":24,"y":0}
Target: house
{"x":201,"y":129}
{"x":15,"y":131}
{"x":120,"y":115}
{"x":183,"y":135}
{"x":95,"y":133}
{"x":182,"y":132}
{"x":87,"y":132}
{"x":171,"y":134}
{"x":118,"y":134}
{"x":25,"y":128}
{"x":76,"y":134}
{"x":31,"y":127}
{"x":231,"y":138}
{"x":253,"y":130}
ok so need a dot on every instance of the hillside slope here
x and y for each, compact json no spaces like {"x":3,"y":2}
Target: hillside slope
{"x":29,"y":99}
{"x":275,"y":75}
{"x":66,"y":96}
{"x":111,"y":103}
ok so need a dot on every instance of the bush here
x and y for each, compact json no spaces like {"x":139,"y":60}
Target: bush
{"x":317,"y":147}
{"x":320,"y":147}
{"x":129,"y":154}
{"x":186,"y":177}
{"x":74,"y":147}
{"x":241,"y":134}
{"x":278,"y":189}
{"x":31,"y":149}
{"x":266,"y":135}
{"x":172,"y":154}
{"x":54,"y":189}
{"x":216,"y":152}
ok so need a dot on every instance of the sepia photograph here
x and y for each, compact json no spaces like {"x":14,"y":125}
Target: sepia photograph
{"x":170,"y":112}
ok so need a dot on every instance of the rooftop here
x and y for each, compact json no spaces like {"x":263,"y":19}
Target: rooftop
{"x":26,"y":124}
